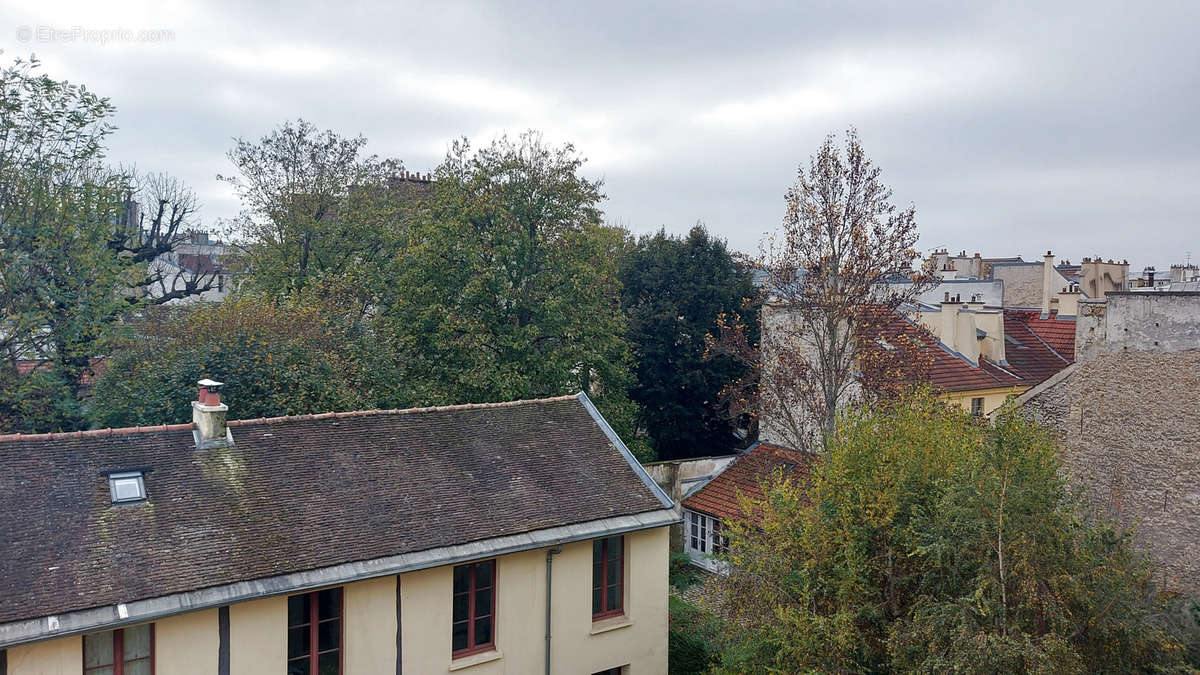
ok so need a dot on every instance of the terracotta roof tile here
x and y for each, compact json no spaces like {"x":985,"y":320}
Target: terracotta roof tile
{"x":720,"y":496}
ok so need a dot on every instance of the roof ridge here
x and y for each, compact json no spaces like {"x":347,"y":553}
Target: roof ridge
{"x":117,"y":431}
{"x":401,"y":411}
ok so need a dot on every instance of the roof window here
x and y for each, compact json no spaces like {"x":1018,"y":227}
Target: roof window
{"x":126,"y":487}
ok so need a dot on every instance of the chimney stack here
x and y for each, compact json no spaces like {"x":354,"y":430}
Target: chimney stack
{"x":208,"y":416}
{"x":1047,"y":282}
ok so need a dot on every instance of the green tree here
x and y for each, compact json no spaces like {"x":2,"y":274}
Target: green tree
{"x":276,"y":358}
{"x":674,"y":289}
{"x":317,"y":209}
{"x":59,"y":280}
{"x":510,"y":286}
{"x":926,"y":541}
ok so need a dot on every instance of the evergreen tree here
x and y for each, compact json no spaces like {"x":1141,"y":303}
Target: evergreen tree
{"x":673,"y":291}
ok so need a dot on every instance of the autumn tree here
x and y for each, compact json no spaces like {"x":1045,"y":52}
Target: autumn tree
{"x":673,"y":291}
{"x":510,"y":285}
{"x":58,"y":279}
{"x":928,"y":541}
{"x":316,"y":208}
{"x":276,"y":358}
{"x":827,"y":287}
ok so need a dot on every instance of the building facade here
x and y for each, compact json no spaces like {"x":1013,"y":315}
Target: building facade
{"x":1127,"y":415}
{"x":496,"y":538}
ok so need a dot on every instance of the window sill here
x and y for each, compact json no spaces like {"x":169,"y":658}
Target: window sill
{"x":612,"y":623}
{"x":475,"y":659}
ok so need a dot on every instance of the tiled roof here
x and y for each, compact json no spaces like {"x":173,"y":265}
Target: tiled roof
{"x":1058,"y":334}
{"x":293,"y":494}
{"x":1028,"y":353}
{"x":1035,"y":349}
{"x":744,"y":475}
{"x":96,"y":367}
{"x":947,"y":370}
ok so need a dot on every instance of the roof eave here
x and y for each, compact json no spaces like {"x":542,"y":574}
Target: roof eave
{"x":139,"y":611}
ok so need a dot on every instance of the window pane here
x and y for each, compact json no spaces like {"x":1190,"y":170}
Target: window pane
{"x":483,"y":630}
{"x":327,"y":664}
{"x":614,"y":572}
{"x":329,"y":635}
{"x":483,"y":602}
{"x":298,"y":642}
{"x":458,"y":639}
{"x":612,"y":598}
{"x":137,"y":642}
{"x":596,"y":572}
{"x":597,"y":596}
{"x":596,"y":549}
{"x":104,"y":670}
{"x":329,"y":604}
{"x":483,"y":574}
{"x":461,"y":604}
{"x":127,"y":488}
{"x":98,"y":649}
{"x":614,"y":548}
{"x":298,"y":667}
{"x":461,"y":576}
{"x":298,"y":610}
{"x":139,"y":667}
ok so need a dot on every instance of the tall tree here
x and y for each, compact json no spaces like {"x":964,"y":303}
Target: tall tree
{"x":316,"y":208}
{"x":673,"y":291}
{"x":58,"y":280}
{"x":159,"y":213}
{"x":74,"y":252}
{"x":927,"y":541}
{"x":511,"y":287}
{"x":277,"y":358}
{"x":826,"y":280}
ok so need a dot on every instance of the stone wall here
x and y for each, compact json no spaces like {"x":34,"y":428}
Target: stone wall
{"x":1128,"y":417}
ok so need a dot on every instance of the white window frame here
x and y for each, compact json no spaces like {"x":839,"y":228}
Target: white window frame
{"x":702,"y":540}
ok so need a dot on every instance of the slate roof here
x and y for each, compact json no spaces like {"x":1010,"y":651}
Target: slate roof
{"x":293,"y":494}
{"x":744,"y":475}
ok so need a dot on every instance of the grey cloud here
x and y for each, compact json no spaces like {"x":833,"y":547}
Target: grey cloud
{"x":1013,"y":127}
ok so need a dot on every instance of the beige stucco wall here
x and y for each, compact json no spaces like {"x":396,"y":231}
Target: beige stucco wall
{"x":369,"y":610}
{"x":640,"y":642}
{"x":63,"y":656}
{"x":187,"y":644}
{"x":258,"y":636}
{"x":992,"y":398}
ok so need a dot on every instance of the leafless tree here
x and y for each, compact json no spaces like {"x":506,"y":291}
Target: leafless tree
{"x":160,"y":212}
{"x":826,"y":290}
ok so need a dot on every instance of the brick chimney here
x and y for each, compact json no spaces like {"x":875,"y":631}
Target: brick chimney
{"x":208,"y":416}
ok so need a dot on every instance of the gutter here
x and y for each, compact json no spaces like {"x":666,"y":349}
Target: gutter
{"x":139,"y":611}
{"x":550,"y":553}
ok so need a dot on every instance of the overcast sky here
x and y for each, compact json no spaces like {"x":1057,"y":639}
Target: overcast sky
{"x":1070,"y":126}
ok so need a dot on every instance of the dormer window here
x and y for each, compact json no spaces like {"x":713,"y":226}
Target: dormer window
{"x":127,"y":487}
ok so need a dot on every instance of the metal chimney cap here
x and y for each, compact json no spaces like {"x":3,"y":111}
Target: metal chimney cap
{"x":210,"y":384}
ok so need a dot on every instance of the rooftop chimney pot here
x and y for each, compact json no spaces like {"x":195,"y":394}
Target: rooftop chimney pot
{"x":208,"y":416}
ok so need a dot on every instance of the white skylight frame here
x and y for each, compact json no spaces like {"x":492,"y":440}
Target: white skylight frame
{"x":127,"y":487}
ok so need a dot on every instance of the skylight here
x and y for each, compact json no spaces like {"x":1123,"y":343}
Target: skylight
{"x":126,"y":487}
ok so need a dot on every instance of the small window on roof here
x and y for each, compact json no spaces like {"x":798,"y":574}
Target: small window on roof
{"x":128,"y":486}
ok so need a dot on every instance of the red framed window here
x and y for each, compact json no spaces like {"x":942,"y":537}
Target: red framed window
{"x":315,"y":633}
{"x":474,"y":628}
{"x":124,"y":651}
{"x":608,"y":577}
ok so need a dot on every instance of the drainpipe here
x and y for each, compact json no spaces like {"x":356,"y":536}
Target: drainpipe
{"x":550,"y":552}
